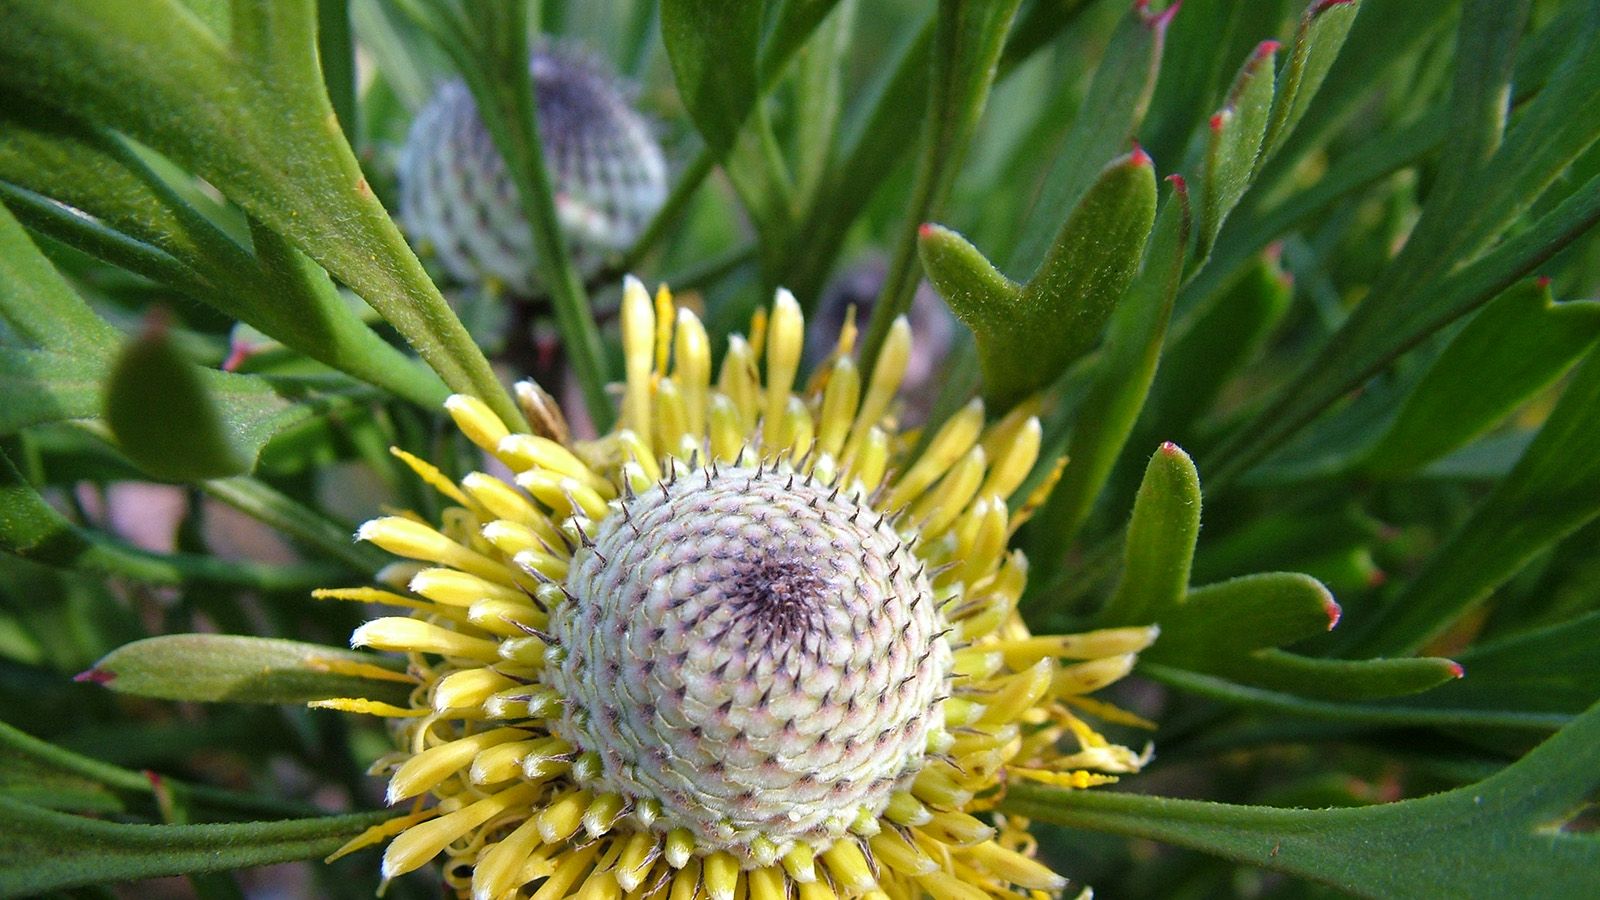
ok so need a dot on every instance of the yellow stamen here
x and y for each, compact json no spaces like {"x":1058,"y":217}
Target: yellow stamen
{"x":414,"y":540}
{"x":638,"y":344}
{"x":468,"y":688}
{"x":785,"y":335}
{"x":423,"y":842}
{"x":410,"y":635}
{"x":476,"y":420}
{"x":691,"y":367}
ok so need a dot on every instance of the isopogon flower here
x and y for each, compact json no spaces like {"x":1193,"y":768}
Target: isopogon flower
{"x":457,"y":200}
{"x":747,"y":644}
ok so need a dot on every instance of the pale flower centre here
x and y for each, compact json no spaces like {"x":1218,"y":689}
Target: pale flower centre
{"x":757,"y":653}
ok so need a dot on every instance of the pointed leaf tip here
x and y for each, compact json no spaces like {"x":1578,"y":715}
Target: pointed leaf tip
{"x":94,"y":676}
{"x":1137,"y":156}
{"x":1157,"y":21}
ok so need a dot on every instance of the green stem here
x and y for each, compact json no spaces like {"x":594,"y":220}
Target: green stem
{"x":261,"y":502}
{"x":108,"y":555}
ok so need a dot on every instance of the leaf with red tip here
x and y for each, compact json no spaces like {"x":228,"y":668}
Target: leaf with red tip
{"x":1241,"y":615}
{"x":1133,"y":346}
{"x":1316,"y":45}
{"x":1160,"y":546}
{"x":1104,"y":124}
{"x":217,"y":668}
{"x":1233,"y":145}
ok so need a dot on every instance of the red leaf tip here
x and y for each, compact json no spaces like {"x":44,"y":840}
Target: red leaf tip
{"x":1377,"y":579}
{"x":1334,"y":611}
{"x":1267,"y":48}
{"x":1156,"y":21}
{"x":94,"y":676}
{"x":1217,"y":121}
{"x":1137,"y":157}
{"x":1456,"y":671}
{"x":1326,"y":5}
{"x":1543,"y":281}
{"x":925,"y":230}
{"x":1178,"y":183}
{"x":1168,"y":448}
{"x":154,"y":778}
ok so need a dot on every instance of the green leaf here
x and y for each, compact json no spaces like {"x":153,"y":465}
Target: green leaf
{"x":712,"y":45}
{"x":163,"y":416}
{"x":1241,"y":615}
{"x":1208,"y":350}
{"x":217,"y":668}
{"x":1513,"y":348}
{"x":865,"y":160}
{"x":967,"y":40}
{"x":49,"y":851}
{"x":1027,"y":340}
{"x":960,"y":273}
{"x":1316,"y":46}
{"x":1233,"y":145}
{"x":1444,"y":270}
{"x":1104,"y":125}
{"x":1419,"y":711}
{"x":1160,"y":545}
{"x":37,"y":304}
{"x":1498,"y":837}
{"x":1341,"y":679}
{"x":46,"y":386}
{"x":254,"y":120}
{"x":1554,"y":489}
{"x":1134,"y":340}
{"x":1554,"y":670}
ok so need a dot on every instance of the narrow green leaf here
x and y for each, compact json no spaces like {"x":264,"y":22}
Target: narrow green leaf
{"x":218,"y":668}
{"x":50,"y":851}
{"x":1103,"y":127}
{"x":1316,"y":46}
{"x":1514,"y":347}
{"x":960,"y":273}
{"x":713,"y":46}
{"x":37,"y":304}
{"x":1498,"y":837}
{"x":1209,"y":349}
{"x":1417,"y":711}
{"x":47,"y":386}
{"x":967,"y":40}
{"x":1234,"y":145}
{"x":255,"y":122}
{"x":1060,"y":314}
{"x":1443,"y":271}
{"x":1554,"y":489}
{"x":868,"y":154}
{"x":1106,"y":416}
{"x":1344,"y":680}
{"x":1241,"y":615}
{"x":1160,"y":545}
{"x":1554,"y":669}
{"x":85,"y":187}
{"x":1481,"y":91}
{"x":163,"y":417}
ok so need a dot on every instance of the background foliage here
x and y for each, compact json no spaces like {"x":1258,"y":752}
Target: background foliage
{"x":1345,"y":269}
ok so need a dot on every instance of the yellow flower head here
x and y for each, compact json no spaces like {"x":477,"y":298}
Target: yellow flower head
{"x":748,"y":644}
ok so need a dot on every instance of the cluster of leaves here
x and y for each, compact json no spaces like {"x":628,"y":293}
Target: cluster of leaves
{"x":1343,"y":305}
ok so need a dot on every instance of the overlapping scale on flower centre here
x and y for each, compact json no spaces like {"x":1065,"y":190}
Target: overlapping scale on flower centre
{"x":755,"y":651}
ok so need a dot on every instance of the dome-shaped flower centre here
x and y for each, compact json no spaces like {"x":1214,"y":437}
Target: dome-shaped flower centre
{"x":753,"y":653}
